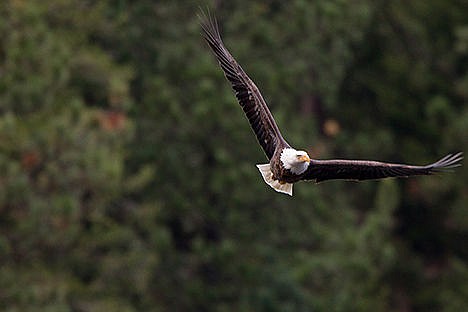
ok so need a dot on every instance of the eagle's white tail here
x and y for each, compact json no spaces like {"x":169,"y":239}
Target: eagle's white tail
{"x":267,"y":175}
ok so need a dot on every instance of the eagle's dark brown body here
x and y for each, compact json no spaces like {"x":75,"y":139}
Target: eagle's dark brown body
{"x":279,"y":172}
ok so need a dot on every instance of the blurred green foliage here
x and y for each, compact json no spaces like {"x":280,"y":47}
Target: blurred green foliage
{"x":127,"y":177}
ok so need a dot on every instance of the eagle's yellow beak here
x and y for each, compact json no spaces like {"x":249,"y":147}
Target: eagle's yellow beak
{"x":304,"y":158}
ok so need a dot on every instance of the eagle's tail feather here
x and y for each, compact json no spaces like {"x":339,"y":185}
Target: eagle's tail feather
{"x":267,"y":175}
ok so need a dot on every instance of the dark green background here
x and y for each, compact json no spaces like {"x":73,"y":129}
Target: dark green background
{"x":127,"y":168}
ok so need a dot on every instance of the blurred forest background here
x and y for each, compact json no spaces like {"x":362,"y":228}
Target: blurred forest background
{"x":127,"y":168}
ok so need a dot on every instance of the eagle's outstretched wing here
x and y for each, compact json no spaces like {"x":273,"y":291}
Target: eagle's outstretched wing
{"x":247,"y":93}
{"x":320,"y":170}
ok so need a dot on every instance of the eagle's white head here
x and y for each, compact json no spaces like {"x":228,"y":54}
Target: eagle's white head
{"x":294,"y":160}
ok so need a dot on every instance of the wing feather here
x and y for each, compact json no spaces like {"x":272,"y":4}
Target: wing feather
{"x":247,"y":93}
{"x":321,"y":170}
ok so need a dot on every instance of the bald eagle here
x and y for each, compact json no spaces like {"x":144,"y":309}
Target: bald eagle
{"x":286,"y":164}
